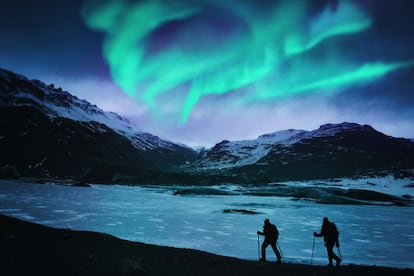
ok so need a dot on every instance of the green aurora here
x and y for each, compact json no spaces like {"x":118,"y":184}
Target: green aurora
{"x":268,"y":51}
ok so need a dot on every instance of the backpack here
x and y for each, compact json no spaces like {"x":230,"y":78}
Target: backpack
{"x":332,"y":231}
{"x":274,"y":233}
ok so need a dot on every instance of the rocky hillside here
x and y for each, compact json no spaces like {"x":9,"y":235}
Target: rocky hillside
{"x":333,"y":150}
{"x":46,"y":131}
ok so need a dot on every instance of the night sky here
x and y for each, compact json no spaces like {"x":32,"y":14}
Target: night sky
{"x":200,"y":71}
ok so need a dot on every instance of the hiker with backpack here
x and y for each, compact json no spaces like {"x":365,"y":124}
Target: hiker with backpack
{"x":271,"y":235}
{"x":330,"y":235}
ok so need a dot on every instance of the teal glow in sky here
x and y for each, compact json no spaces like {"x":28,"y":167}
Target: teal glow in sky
{"x":203,"y":48}
{"x":201,"y":71}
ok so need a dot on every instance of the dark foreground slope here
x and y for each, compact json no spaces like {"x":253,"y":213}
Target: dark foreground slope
{"x":33,"y":249}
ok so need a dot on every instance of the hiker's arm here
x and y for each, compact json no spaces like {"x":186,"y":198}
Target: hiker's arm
{"x":260,"y":233}
{"x":317,"y":235}
{"x":321,"y":234}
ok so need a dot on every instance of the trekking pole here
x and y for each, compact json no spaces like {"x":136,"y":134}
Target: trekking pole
{"x":280,"y":250}
{"x":313,"y":248}
{"x":258,"y":246}
{"x":340,"y":254}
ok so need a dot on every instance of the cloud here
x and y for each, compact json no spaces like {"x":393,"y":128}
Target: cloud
{"x":103,"y":93}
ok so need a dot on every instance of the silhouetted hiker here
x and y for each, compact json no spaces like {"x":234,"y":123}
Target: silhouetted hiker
{"x":271,"y":235}
{"x":330,"y":235}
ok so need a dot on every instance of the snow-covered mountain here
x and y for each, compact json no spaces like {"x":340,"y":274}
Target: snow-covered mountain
{"x":17,"y":91}
{"x":229,"y":154}
{"x":46,"y":129}
{"x":332,"y":150}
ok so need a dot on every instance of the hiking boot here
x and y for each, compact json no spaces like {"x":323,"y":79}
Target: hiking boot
{"x":330,"y":265}
{"x":279,"y":261}
{"x":338,"y":262}
{"x":262,"y":260}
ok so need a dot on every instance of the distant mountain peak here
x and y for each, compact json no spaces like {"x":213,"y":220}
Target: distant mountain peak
{"x":17,"y":90}
{"x":335,"y":129}
{"x":49,"y":132}
{"x":297,"y":145}
{"x":345,"y":126}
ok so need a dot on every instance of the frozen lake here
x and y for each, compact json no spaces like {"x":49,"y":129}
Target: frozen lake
{"x":224,"y":224}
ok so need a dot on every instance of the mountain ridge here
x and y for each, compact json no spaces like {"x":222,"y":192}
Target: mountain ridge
{"x":56,"y":102}
{"x":262,"y":144}
{"x":48,"y":132}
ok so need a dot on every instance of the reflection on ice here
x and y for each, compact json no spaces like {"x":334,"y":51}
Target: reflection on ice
{"x":155,"y":220}
{"x":360,"y":241}
{"x":369,"y":234}
{"x":222,"y":233}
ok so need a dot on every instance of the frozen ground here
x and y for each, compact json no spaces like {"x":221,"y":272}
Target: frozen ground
{"x":224,"y":219}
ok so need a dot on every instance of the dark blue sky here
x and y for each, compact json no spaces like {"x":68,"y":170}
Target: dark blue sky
{"x":50,"y":37}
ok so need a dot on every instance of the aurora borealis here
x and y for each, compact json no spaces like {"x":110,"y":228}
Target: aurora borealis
{"x":258,"y":38}
{"x":196,"y":66}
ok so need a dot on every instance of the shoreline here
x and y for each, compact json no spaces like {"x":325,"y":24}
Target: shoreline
{"x":33,"y":248}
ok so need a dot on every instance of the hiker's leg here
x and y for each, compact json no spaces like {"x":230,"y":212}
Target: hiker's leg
{"x":264,"y":245}
{"x":329,"y":248}
{"x":277,"y":253}
{"x":337,"y":259}
{"x":334,"y":256}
